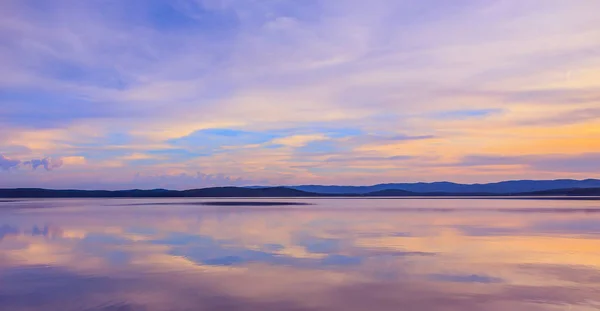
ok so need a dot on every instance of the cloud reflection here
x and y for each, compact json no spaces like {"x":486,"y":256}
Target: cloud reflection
{"x":84,"y":255}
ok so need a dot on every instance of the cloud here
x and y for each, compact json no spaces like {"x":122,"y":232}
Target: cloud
{"x":466,"y":113}
{"x":217,"y":138}
{"x":457,"y":278}
{"x":483,"y":160}
{"x":585,"y":163}
{"x":369,"y":159}
{"x":552,"y":96}
{"x":568,"y":117}
{"x":249,"y":86}
{"x":298,"y":140}
{"x":74,"y":160}
{"x":321,"y":147}
{"x":386,"y":139}
{"x":190,"y":181}
{"x":48,"y":163}
{"x":7,"y":164}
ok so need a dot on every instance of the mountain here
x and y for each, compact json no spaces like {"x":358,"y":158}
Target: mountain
{"x":504,"y":187}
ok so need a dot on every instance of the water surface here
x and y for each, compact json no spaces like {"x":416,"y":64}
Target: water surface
{"x":316,"y":254}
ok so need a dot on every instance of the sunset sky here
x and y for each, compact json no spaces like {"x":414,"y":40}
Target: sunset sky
{"x":182,"y":94}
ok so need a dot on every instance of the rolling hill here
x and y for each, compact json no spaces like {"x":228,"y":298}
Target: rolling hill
{"x":504,"y":187}
{"x":242,"y":192}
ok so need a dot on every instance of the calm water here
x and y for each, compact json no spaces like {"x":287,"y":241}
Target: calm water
{"x":337,"y":254}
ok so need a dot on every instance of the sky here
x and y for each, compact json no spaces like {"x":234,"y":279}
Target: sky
{"x":182,"y":94}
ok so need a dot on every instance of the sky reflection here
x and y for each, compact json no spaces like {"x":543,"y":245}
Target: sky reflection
{"x":88,"y":255}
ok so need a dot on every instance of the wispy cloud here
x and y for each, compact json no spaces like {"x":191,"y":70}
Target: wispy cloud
{"x":369,"y":159}
{"x":587,"y":163}
{"x":466,"y":113}
{"x":257,"y":89}
{"x":568,"y":117}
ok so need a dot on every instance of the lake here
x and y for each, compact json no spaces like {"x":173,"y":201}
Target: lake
{"x":328,"y":254}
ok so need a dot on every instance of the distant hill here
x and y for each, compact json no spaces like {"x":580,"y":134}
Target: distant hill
{"x":391,"y":193}
{"x":50,"y":193}
{"x":156,"y":193}
{"x":566,"y":192}
{"x":291,"y":192}
{"x":504,"y":187}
